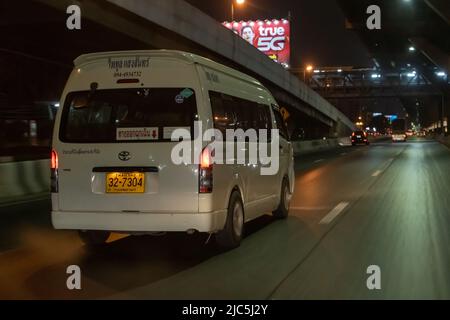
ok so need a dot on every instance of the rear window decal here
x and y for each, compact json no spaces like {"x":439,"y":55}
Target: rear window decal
{"x":179,"y":99}
{"x":186,"y":93}
{"x":167,"y":131}
{"x":147,"y":133}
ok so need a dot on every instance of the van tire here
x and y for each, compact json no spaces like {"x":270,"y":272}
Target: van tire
{"x":230,"y":237}
{"x":283,"y":208}
{"x":94,"y":238}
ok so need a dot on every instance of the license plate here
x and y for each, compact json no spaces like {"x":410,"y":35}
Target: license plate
{"x":358,"y":136}
{"x":125,"y":182}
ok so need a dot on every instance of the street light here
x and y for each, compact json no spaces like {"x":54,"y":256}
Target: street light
{"x":308,"y":68}
{"x":238,"y":2}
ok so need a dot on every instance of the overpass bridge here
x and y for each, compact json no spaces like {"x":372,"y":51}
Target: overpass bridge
{"x":169,"y":24}
{"x":362,"y":83}
{"x":413,"y":43}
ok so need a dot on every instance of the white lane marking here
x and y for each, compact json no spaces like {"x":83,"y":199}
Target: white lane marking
{"x":376,"y":173}
{"x":309,"y":208}
{"x":343,"y":153}
{"x":385,"y":165}
{"x":333,"y":213}
{"x":320,"y":160}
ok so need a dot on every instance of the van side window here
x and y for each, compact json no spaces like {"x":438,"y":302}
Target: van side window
{"x":243,"y":111}
{"x":231,"y":112}
{"x":281,"y":126}
{"x":222,"y":110}
{"x":265,"y":119}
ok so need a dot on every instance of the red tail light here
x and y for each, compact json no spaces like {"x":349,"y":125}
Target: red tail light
{"x":353,"y":134}
{"x":54,"y":172}
{"x":205,"y":172}
{"x":54,"y":160}
{"x":205,"y":161}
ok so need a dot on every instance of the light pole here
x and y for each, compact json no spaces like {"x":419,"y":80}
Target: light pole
{"x":308,"y":69}
{"x":239,"y":2}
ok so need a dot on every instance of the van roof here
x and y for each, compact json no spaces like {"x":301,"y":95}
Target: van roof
{"x":180,"y":55}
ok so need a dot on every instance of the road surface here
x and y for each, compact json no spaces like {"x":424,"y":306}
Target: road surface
{"x":386,"y":205}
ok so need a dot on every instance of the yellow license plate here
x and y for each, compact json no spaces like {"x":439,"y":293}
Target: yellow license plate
{"x":125,"y":182}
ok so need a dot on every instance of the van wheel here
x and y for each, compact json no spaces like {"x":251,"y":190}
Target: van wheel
{"x":94,"y":238}
{"x":285,"y":198}
{"x":230,"y":237}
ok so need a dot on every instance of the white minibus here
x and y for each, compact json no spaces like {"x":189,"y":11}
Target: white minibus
{"x":113,"y":166}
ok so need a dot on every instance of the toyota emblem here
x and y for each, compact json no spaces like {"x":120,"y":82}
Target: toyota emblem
{"x":124,"y":156}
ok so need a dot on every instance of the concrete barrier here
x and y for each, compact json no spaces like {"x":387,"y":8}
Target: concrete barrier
{"x":24,"y":178}
{"x":310,"y":146}
{"x":445,"y":140}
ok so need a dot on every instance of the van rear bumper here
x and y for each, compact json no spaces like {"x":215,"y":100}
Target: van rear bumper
{"x":123,"y":221}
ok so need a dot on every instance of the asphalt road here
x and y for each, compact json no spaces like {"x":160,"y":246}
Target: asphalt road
{"x":386,"y":205}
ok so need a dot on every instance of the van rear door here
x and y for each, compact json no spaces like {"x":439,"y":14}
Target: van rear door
{"x":115,"y":151}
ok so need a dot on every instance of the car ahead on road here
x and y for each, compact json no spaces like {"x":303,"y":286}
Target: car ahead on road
{"x":359,"y":137}
{"x":421,"y":134}
{"x":112,"y":159}
{"x":399,"y":137}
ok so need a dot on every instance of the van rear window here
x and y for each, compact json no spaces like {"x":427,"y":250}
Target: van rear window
{"x":124,"y":115}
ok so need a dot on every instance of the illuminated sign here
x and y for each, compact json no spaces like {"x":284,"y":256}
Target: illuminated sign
{"x":391,"y":118}
{"x":271,"y":37}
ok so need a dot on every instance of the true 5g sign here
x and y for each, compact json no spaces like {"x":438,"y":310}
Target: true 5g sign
{"x":270,"y":36}
{"x":271,"y":39}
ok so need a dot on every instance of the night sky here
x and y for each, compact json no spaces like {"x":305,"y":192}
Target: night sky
{"x":318,"y":34}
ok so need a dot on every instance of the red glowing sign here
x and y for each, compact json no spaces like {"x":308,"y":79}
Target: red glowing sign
{"x":272,"y":37}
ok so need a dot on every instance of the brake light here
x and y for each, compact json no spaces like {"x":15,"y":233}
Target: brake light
{"x":54,"y":160}
{"x":205,"y":171}
{"x":205,"y":161}
{"x":353,"y":134}
{"x":54,"y":163}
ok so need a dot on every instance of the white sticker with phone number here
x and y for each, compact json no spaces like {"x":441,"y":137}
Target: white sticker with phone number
{"x":167,"y":131}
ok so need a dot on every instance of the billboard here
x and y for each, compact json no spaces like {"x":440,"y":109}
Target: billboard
{"x":272,"y":37}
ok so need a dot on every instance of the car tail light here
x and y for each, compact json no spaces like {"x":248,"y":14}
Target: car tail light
{"x":205,"y":172}
{"x":54,"y":172}
{"x":353,"y":134}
